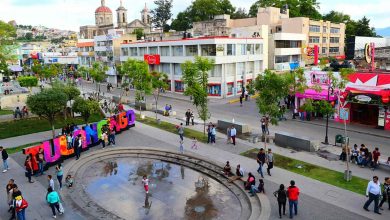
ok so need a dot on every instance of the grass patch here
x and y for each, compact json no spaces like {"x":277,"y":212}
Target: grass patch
{"x":14,"y":150}
{"x":6,"y":112}
{"x":33,"y":125}
{"x":166,"y":126}
{"x":335,"y":178}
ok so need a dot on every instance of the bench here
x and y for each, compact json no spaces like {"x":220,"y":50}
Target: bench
{"x":288,"y":140}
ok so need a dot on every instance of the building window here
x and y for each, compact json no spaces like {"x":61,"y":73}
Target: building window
{"x":164,"y":51}
{"x":334,"y":30}
{"x":230,"y":69}
{"x":242,"y":49}
{"x":192,"y":50}
{"x":214,"y":89}
{"x":166,"y":68}
{"x":177,"y":69}
{"x":324,"y":40}
{"x":334,"y":40}
{"x":334,"y":49}
{"x":313,"y":39}
{"x":208,"y":49}
{"x":250,"y":67}
{"x":324,"y":29}
{"x":240,"y":69}
{"x":125,"y":51}
{"x":323,"y":50}
{"x":142,"y":51}
{"x":258,"y":49}
{"x":133,"y":51}
{"x":287,"y":44}
{"x":152,"y":50}
{"x":229,"y":87}
{"x":314,"y":28}
{"x":231,"y":50}
{"x":179,"y":86}
{"x":281,"y":59}
{"x":295,"y":58}
{"x":250,"y":49}
{"x":177,"y":51}
{"x":216,"y":71}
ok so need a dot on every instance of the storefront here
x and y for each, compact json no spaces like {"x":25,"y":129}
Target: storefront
{"x":214,"y":89}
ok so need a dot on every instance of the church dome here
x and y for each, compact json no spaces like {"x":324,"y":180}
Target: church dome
{"x":103,"y":9}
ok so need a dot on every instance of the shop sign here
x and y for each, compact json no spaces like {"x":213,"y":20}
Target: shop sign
{"x":362,"y":98}
{"x":344,"y":114}
{"x":152,"y":59}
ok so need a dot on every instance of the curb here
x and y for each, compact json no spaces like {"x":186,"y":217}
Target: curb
{"x":238,"y":99}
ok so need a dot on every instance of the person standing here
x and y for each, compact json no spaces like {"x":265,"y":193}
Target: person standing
{"x":373,"y":192}
{"x":54,"y":201}
{"x":4,"y":156}
{"x":69,"y":140}
{"x":263,"y":129}
{"x":40,"y":159}
{"x":213,"y":134}
{"x":375,"y":158}
{"x":29,"y":168}
{"x":76,"y":147}
{"x":60,"y":174}
{"x":188,"y":117}
{"x":229,"y":137}
{"x":194,"y":144}
{"x":51,"y":181}
{"x":266,"y":124}
{"x":385,"y":193}
{"x":241,"y":100}
{"x":260,"y":160}
{"x":281,"y":195}
{"x":145,"y":182}
{"x":20,"y":207}
{"x":233,"y":133}
{"x":270,"y":161}
{"x":209,"y":132}
{"x":192,"y":118}
{"x":293,"y":195}
{"x":104,"y":139}
{"x":180,"y":130}
{"x":111,"y":136}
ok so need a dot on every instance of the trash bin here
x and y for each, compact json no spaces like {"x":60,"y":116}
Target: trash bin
{"x":339,"y":139}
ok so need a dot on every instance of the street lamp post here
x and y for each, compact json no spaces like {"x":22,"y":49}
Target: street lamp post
{"x":327,"y":118}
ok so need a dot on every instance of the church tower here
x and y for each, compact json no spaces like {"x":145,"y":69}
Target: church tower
{"x":145,"y":15}
{"x":121,"y":14}
{"x":103,"y":15}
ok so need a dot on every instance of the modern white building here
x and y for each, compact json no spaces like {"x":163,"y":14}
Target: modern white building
{"x":237,"y":60}
{"x":70,"y":59}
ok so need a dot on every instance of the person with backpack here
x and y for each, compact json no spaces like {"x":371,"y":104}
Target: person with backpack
{"x":281,"y":195}
{"x":54,"y":201}
{"x":20,"y":207}
{"x":293,"y":195}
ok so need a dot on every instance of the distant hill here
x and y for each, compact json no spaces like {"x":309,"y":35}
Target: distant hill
{"x":384,"y":32}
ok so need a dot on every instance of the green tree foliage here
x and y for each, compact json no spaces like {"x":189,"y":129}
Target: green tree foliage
{"x":296,"y":81}
{"x":98,"y":73}
{"x":182,"y":22}
{"x":271,"y":88}
{"x":7,"y":41}
{"x":159,"y":81}
{"x":28,"y":81}
{"x":139,"y":32}
{"x":239,"y":14}
{"x":86,"y":108}
{"x":47,"y":104}
{"x":297,"y":8}
{"x":363,"y":28}
{"x":162,"y":13}
{"x":71,"y":92}
{"x":195,"y":76}
{"x":82,"y":72}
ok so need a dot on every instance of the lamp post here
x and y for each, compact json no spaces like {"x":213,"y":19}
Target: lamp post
{"x":327,"y":117}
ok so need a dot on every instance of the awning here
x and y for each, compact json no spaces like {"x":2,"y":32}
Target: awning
{"x":313,"y":94}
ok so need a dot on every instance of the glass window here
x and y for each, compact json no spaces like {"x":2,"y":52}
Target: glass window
{"x":231,"y":50}
{"x":287,"y":44}
{"x":229,"y":88}
{"x":152,"y":50}
{"x":125,"y":51}
{"x":313,"y":39}
{"x":323,"y":50}
{"x":216,"y":71}
{"x":259,"y":49}
{"x":324,"y":29}
{"x":142,"y":51}
{"x":230,"y":69}
{"x":192,"y":50}
{"x":281,"y":59}
{"x":239,"y":86}
{"x":179,"y":86}
{"x":295,"y":58}
{"x":251,"y":67}
{"x":240,"y":68}
{"x":164,"y":51}
{"x":166,"y":68}
{"x":333,"y":49}
{"x":177,"y":69}
{"x":334,"y":40}
{"x":133,"y":51}
{"x":177,"y":50}
{"x":314,"y":28}
{"x":334,"y":30}
{"x":323,"y":40}
{"x":242,"y":49}
{"x":214,"y":90}
{"x":250,"y":49}
{"x":208,"y":49}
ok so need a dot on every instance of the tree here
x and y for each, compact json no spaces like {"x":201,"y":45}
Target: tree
{"x":239,"y":14}
{"x":139,"y":32}
{"x":71,"y":92}
{"x":28,"y":36}
{"x":47,"y":104}
{"x":297,"y":8}
{"x":138,"y":73}
{"x":195,"y":77}
{"x":271,"y":88}
{"x":82,"y":72}
{"x":7,"y":42}
{"x":363,"y":28}
{"x":182,"y":22}
{"x":162,"y":13}
{"x":98,"y":73}
{"x":86,"y":108}
{"x":28,"y":81}
{"x":159,"y":81}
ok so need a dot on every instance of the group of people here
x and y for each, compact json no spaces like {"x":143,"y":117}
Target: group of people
{"x":109,"y":87}
{"x":374,"y":192}
{"x":264,"y":121}
{"x":167,"y":110}
{"x":211,"y":133}
{"x":189,"y":117}
{"x":292,"y":192}
{"x":21,"y":112}
{"x":16,"y":203}
{"x":361,"y":156}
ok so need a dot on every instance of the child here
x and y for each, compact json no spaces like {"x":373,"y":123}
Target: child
{"x":69,"y":181}
{"x":145,"y":181}
{"x":51,"y":181}
{"x":69,"y":140}
{"x":181,"y":147}
{"x":104,"y":139}
{"x":194,"y":144}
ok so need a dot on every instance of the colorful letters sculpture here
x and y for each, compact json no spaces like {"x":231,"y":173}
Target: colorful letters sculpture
{"x":57,"y":148}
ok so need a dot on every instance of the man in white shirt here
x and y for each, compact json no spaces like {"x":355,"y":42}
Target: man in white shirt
{"x":233,"y":133}
{"x":373,"y":193}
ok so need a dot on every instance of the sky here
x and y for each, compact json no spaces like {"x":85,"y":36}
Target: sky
{"x":70,"y":14}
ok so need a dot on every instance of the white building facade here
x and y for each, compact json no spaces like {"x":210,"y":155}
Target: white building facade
{"x":237,"y":60}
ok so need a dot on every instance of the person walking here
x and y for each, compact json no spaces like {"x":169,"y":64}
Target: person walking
{"x":261,"y":161}
{"x":188,"y":117}
{"x":51,"y":181}
{"x":54,"y":201}
{"x":180,"y":130}
{"x":40,"y":159}
{"x":270,"y":161}
{"x":228,"y":141}
{"x":209,"y":126}
{"x":4,"y":156}
{"x":385,"y":193}
{"x":281,"y":195}
{"x":77,"y":146}
{"x":111,"y":136}
{"x":375,"y":158}
{"x":20,"y":207}
{"x":233,"y":133}
{"x":241,"y":100}
{"x":145,"y":182}
{"x":293,"y":195}
{"x":194,"y":144}
{"x":373,"y":192}
{"x":60,"y":174}
{"x":213,"y":134}
{"x":29,"y":168}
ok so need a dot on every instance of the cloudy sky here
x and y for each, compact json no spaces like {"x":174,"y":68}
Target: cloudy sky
{"x":70,"y":14}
